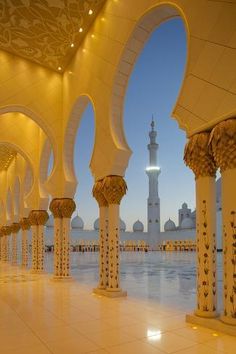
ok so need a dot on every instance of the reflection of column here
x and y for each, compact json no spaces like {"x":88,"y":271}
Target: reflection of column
{"x":62,"y":209}
{"x":38,"y":219}
{"x":223,"y":144}
{"x":103,"y":235}
{"x":6,"y":231}
{"x":198,"y":158}
{"x":1,"y":245}
{"x":114,"y":188}
{"x":25,"y":226}
{"x":15,"y":227}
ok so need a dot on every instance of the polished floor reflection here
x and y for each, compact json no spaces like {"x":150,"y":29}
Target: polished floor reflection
{"x":41,"y":316}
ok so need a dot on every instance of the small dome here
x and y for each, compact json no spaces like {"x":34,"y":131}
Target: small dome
{"x":77,"y":223}
{"x":122,"y":225}
{"x":184,"y":206}
{"x":138,"y":226}
{"x":169,"y":225}
{"x":187,"y":223}
{"x":50,"y":222}
{"x":96,"y":225}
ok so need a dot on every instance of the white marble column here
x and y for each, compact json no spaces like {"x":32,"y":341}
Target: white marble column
{"x":103,"y":237}
{"x":197,"y":156}
{"x":25,"y":226}
{"x":15,"y":227}
{"x":37,"y":219}
{"x":62,"y":209}
{"x":223,"y":144}
{"x":114,"y":188}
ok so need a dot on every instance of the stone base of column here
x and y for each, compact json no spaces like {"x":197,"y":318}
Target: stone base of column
{"x":228,"y":320}
{"x":110,"y":293}
{"x":62,"y":279}
{"x":213,"y":323}
{"x":33,"y":271}
{"x":206,"y":314}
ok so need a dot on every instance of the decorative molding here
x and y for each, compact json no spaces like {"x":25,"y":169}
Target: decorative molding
{"x":197,"y":156}
{"x":98,"y":194}
{"x":38,"y":217}
{"x":62,"y":207}
{"x":7,"y":154}
{"x":25,"y":224}
{"x":223,"y":144}
{"x":15,"y":227}
{"x":114,"y":188}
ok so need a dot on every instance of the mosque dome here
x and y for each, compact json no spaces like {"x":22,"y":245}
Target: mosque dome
{"x":96,"y":225}
{"x":184,"y":206}
{"x":187,"y":223}
{"x":50,"y":222}
{"x":138,"y":226}
{"x":169,"y":225}
{"x":77,"y":223}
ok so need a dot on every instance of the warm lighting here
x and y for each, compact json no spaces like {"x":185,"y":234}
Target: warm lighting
{"x":103,"y":18}
{"x":152,"y":168}
{"x":72,"y":45}
{"x":81,"y":29}
{"x":153,"y":335}
{"x":194,"y":327}
{"x":92,"y":35}
{"x":59,"y":68}
{"x":84,"y":50}
{"x":90,"y":12}
{"x":215,"y":334}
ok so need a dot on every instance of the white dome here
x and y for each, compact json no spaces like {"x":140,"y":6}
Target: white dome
{"x":187,"y":223}
{"x":138,"y":226}
{"x":169,"y":225}
{"x":77,"y":223}
{"x":184,"y":206}
{"x":122,"y":225}
{"x":96,"y":225}
{"x":50,"y":222}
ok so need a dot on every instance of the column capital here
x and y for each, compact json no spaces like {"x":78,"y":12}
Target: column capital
{"x":98,"y":194}
{"x":25,"y":223}
{"x":114,"y":188}
{"x":223,"y":144}
{"x":197,"y":156}
{"x":38,"y":217}
{"x":62,"y":207}
{"x":15,"y":227}
{"x":6,"y":230}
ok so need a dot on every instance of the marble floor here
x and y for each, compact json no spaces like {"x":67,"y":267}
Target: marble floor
{"x":39,"y":316}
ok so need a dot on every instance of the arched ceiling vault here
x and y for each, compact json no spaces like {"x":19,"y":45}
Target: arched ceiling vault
{"x":46,"y":32}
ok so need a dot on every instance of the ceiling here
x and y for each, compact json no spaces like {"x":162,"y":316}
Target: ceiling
{"x":7,"y":154}
{"x":44,"y":30}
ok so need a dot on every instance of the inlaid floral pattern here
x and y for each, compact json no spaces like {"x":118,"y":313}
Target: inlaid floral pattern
{"x":43,"y":30}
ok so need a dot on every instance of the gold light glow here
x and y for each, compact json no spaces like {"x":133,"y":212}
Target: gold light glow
{"x":90,"y":12}
{"x":72,"y":45}
{"x":59,"y":68}
{"x":81,"y":29}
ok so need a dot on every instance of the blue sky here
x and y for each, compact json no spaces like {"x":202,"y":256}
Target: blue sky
{"x":153,"y":89}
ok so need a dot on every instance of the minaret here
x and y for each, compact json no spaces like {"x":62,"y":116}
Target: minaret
{"x":153,"y":202}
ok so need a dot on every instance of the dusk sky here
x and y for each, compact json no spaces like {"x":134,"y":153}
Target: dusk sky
{"x":153,"y":89}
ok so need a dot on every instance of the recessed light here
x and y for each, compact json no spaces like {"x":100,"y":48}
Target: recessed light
{"x":92,"y":35}
{"x":59,"y":68}
{"x":84,"y":50}
{"x":103,"y":18}
{"x":81,"y":29}
{"x":90,"y":12}
{"x":72,"y":45}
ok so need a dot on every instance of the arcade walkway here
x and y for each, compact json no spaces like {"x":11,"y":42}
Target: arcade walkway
{"x":38,"y":316}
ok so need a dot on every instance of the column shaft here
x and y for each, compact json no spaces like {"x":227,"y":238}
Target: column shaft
{"x":24,"y":247}
{"x":206,"y":247}
{"x":114,"y":261}
{"x":34,"y":265}
{"x":104,"y":248}
{"x":57,"y":246}
{"x":229,"y":244}
{"x":14,"y":248}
